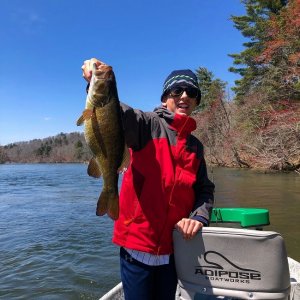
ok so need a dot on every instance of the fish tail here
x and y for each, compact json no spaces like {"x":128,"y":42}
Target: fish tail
{"x":108,"y":203}
{"x":113,"y":207}
{"x":102,"y":203}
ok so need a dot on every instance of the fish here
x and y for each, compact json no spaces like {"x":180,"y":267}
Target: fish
{"x":104,"y":135}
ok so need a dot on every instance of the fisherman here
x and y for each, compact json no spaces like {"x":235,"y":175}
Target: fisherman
{"x":165,"y":187}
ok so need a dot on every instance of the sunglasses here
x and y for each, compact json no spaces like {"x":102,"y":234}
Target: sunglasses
{"x":178,"y":91}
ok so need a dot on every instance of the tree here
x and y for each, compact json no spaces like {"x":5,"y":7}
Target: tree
{"x":3,"y":156}
{"x":211,"y":89}
{"x":79,"y":149}
{"x":214,"y":121}
{"x":253,"y":26}
{"x":281,"y":54}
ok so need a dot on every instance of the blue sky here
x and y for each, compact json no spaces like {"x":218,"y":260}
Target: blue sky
{"x":44,"y":43}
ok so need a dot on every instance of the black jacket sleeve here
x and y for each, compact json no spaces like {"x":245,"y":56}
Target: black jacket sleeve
{"x":137,"y":126}
{"x":204,"y":194}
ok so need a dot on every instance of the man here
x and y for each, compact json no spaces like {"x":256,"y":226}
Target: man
{"x":165,"y":186}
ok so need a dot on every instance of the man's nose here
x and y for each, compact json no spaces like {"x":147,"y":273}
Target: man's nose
{"x":184,"y":95}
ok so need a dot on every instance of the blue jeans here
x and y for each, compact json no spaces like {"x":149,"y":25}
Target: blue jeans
{"x":143,"y":282}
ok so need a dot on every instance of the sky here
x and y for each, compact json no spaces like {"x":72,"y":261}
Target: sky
{"x":43,"y":44}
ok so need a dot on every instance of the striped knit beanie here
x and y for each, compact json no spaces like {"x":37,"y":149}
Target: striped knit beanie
{"x":181,"y":78}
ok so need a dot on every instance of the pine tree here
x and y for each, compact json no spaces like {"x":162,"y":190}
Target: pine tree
{"x":211,"y":89}
{"x":281,"y":54}
{"x":253,"y":26}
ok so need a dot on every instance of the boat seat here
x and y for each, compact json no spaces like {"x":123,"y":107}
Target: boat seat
{"x":231,"y":263}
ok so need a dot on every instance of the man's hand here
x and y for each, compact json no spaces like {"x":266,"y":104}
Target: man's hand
{"x":88,"y":66}
{"x":188,"y":227}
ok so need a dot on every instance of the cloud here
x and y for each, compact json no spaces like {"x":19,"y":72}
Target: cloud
{"x":29,"y":21}
{"x":47,"y":119}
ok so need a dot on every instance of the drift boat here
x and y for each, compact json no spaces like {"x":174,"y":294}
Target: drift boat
{"x":232,"y":259}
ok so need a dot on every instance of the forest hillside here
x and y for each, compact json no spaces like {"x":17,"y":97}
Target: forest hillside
{"x":260,"y":128}
{"x":64,"y":147}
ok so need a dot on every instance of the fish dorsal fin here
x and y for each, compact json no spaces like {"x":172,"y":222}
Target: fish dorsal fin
{"x":93,"y":168}
{"x":125,"y":161}
{"x":86,"y":115}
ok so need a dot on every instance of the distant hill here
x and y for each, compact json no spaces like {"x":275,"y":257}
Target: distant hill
{"x":64,"y":147}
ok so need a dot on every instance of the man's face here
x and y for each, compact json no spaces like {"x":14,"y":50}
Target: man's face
{"x":180,"y":102}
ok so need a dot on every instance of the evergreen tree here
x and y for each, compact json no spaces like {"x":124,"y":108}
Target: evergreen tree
{"x":281,"y":54}
{"x":211,"y":89}
{"x":254,"y":25}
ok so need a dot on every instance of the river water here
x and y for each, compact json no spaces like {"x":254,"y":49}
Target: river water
{"x":53,"y":246}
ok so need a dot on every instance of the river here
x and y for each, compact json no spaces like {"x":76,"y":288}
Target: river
{"x":53,"y":246}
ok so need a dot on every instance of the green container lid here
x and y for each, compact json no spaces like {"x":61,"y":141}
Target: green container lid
{"x":247,"y":217}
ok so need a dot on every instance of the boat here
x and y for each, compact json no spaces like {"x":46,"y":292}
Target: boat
{"x":232,"y":259}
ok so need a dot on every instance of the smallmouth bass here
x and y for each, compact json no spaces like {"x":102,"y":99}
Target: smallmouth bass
{"x":103,"y":133}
